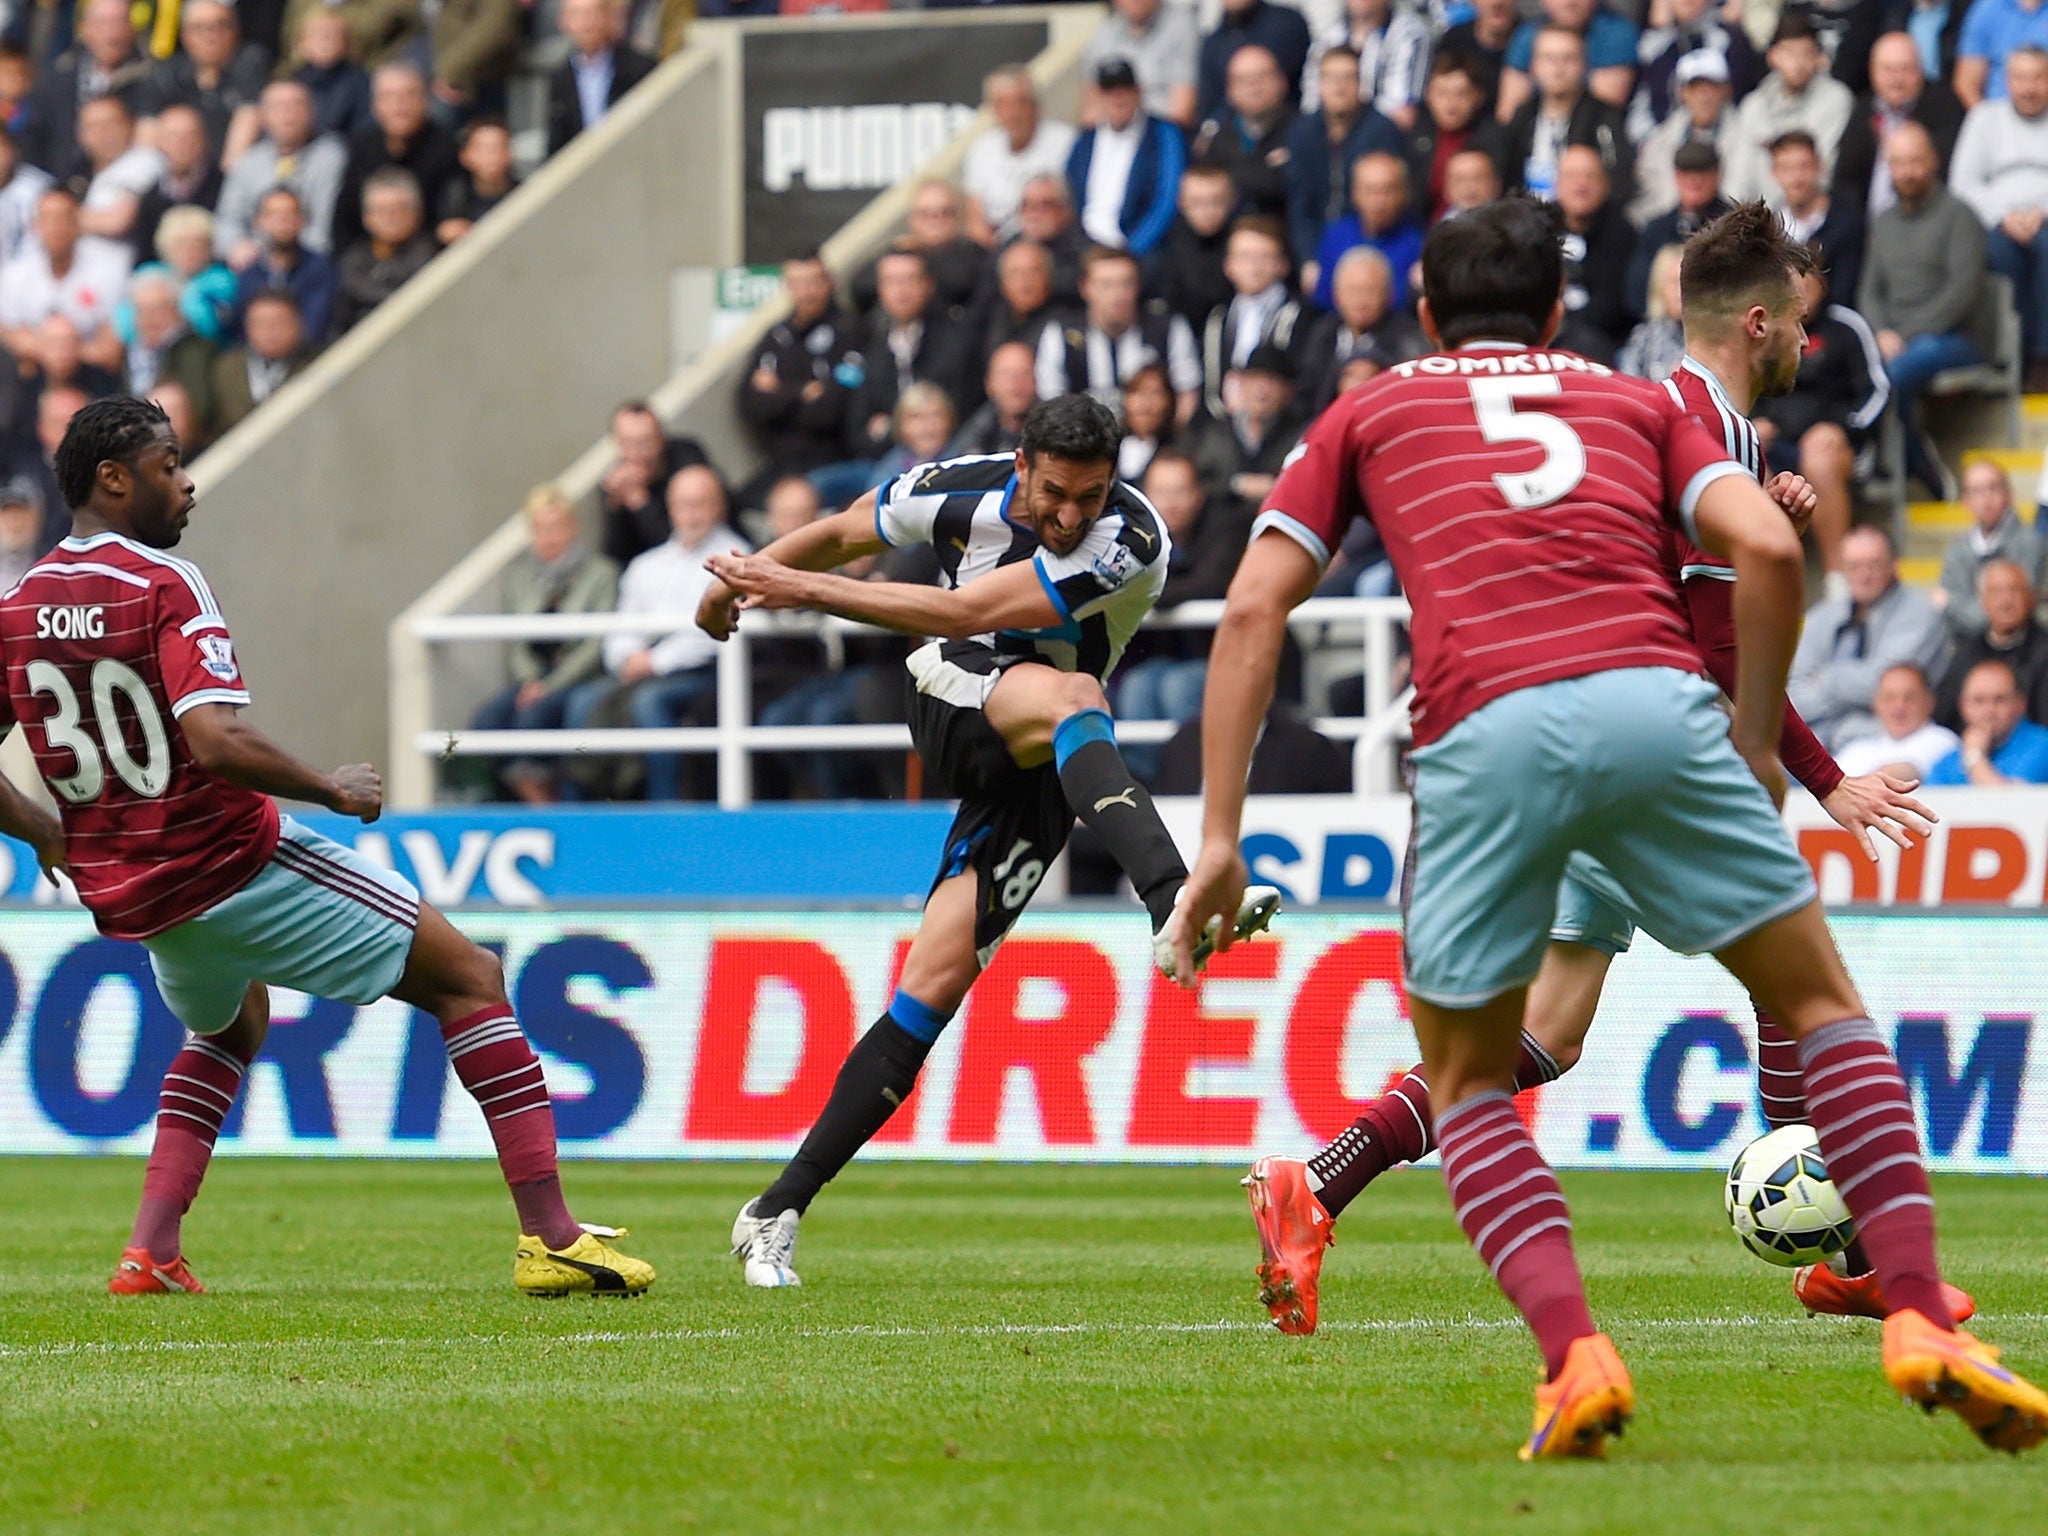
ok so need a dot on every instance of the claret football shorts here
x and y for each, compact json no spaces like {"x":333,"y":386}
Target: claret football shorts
{"x":1632,"y":768}
{"x":320,"y":919}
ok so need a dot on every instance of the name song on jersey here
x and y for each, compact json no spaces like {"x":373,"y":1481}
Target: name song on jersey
{"x":71,"y":621}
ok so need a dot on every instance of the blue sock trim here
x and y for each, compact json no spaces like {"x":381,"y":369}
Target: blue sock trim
{"x":918,"y":1020}
{"x":1077,"y":730}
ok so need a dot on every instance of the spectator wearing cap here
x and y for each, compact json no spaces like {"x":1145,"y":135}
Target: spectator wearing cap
{"x":2000,"y":745}
{"x":1125,"y":171}
{"x":1454,"y":119}
{"x":1362,"y":324}
{"x":1696,"y":177}
{"x":1161,"y":43}
{"x":1608,"y":44}
{"x":1389,"y":46}
{"x":1482,"y":43}
{"x":1323,"y":146}
{"x":2001,"y":170}
{"x":1695,"y":27}
{"x":1899,"y":93}
{"x":1797,"y":94}
{"x":1992,"y":31}
{"x":1923,"y":274}
{"x":1799,"y":196}
{"x":1238,"y":452}
{"x":1561,"y":111}
{"x":1279,"y":29}
{"x":600,"y":69}
{"x":21,"y":530}
{"x":1249,"y":136}
{"x":1022,"y":143}
{"x":1262,"y":312}
{"x":1186,"y":272}
{"x":1704,"y":113}
{"x":1996,"y":532}
{"x":1599,"y":242}
{"x":1380,"y":218}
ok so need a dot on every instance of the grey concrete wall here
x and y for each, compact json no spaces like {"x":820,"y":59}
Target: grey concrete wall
{"x":341,"y":502}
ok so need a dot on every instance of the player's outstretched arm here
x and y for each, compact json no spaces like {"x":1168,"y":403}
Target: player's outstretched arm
{"x":1010,"y":597}
{"x":227,"y":746}
{"x":1738,"y":522}
{"x":824,"y":545}
{"x":22,"y":818}
{"x":1275,"y":576}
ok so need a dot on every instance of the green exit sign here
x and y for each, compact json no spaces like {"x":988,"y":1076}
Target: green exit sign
{"x":748,"y":288}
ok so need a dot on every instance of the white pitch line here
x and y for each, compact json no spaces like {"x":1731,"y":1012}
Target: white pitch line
{"x":868,"y":1331}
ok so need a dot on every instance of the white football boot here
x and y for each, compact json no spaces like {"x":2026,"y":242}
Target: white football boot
{"x":765,"y":1246}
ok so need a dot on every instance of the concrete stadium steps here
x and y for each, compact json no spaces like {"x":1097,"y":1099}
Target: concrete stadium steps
{"x":1931,"y":525}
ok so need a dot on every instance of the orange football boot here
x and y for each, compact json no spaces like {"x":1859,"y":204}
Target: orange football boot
{"x":1294,"y":1229}
{"x":1820,"y":1289}
{"x":1939,"y":1369}
{"x":139,"y":1275}
{"x":1591,"y":1399}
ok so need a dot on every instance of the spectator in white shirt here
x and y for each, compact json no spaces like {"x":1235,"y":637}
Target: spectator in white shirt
{"x":62,"y":274}
{"x":1908,"y":742}
{"x":1798,"y":93}
{"x":1023,"y":143}
{"x":122,"y":171}
{"x":667,"y":675}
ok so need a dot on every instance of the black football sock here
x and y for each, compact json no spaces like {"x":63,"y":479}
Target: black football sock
{"x":876,"y":1078}
{"x":1104,"y":793}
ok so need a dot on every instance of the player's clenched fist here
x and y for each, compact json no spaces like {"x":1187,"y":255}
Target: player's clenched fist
{"x":718,"y":614}
{"x":358,"y":792}
{"x":1796,"y":496}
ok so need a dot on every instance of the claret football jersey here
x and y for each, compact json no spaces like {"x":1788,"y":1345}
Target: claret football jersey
{"x":1523,"y":496}
{"x":108,"y":644}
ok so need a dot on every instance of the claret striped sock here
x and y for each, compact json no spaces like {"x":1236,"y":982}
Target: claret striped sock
{"x":493,"y":1060}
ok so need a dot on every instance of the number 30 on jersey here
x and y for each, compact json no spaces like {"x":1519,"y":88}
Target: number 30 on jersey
{"x":65,"y":728}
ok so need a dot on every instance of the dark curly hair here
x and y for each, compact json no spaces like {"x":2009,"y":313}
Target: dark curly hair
{"x":1076,"y":427}
{"x":115,"y":430}
{"x":1495,"y":272}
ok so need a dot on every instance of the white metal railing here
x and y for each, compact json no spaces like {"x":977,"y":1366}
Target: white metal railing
{"x":735,"y":738}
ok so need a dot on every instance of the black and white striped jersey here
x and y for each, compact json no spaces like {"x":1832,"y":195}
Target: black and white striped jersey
{"x":1700,"y":394}
{"x":1102,"y":591}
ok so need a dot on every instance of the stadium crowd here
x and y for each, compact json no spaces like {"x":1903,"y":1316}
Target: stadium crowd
{"x":196,"y":196}
{"x":1226,"y":240}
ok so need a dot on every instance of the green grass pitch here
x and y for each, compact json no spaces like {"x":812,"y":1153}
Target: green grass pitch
{"x":974,"y":1349}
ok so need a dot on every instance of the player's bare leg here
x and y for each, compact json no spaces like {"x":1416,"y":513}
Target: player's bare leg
{"x":1042,"y":714}
{"x":1856,"y":1101}
{"x":462,"y":985}
{"x":1510,"y":1206}
{"x":876,"y":1077}
{"x":1295,"y":1203}
{"x":199,"y":1090}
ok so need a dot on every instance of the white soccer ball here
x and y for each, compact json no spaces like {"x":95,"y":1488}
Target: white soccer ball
{"x":1782,"y":1203}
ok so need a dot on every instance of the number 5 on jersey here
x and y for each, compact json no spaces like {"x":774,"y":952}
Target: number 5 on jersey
{"x":111,"y":679}
{"x":1564,"y":455}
